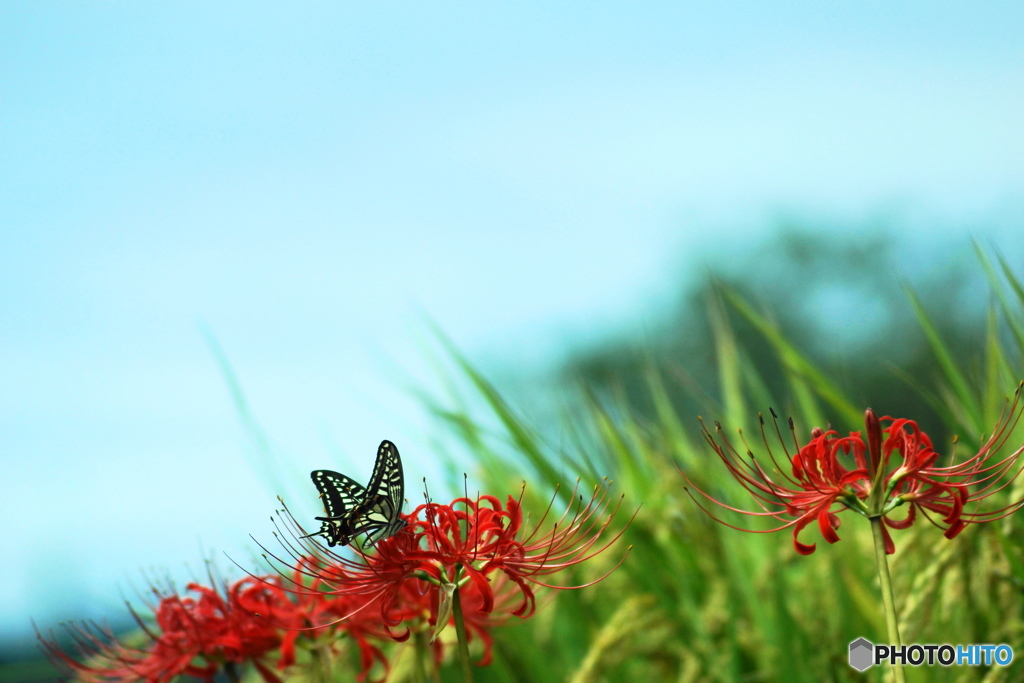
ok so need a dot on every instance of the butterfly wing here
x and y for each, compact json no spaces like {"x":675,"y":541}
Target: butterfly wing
{"x":341,"y":497}
{"x":379,"y":514}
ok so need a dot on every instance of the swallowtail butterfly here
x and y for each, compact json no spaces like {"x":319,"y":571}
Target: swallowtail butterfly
{"x":353,"y":510}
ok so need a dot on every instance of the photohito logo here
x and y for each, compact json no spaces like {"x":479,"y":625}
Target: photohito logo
{"x":865,"y":654}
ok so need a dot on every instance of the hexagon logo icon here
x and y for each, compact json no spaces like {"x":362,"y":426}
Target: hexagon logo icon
{"x":861,"y":654}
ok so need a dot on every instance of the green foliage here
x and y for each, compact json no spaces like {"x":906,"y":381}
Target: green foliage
{"x":696,"y":600}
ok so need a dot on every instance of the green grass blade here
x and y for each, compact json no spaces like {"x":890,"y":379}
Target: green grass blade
{"x":956,"y":381}
{"x":794,"y":361}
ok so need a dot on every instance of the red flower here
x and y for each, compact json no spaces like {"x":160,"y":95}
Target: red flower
{"x":950,"y":491}
{"x":192,"y":636}
{"x":817,"y":483}
{"x":901,"y":470}
{"x":331,"y":615}
{"x":475,"y":545}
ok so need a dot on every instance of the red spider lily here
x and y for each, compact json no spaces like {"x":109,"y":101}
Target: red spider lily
{"x":193,"y":636}
{"x":467,"y":544}
{"x":418,"y":604}
{"x":817,"y":483}
{"x":951,"y":491}
{"x":877,"y":477}
{"x":344,"y":615}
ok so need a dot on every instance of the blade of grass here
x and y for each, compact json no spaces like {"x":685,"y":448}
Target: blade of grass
{"x":955,"y":379}
{"x":793,"y":360}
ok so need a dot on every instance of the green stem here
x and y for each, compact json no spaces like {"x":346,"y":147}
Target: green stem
{"x":421,"y":655}
{"x":891,"y":623}
{"x":460,"y":632}
{"x":321,"y":664}
{"x":231,"y":672}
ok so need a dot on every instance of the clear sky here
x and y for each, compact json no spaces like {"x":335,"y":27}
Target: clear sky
{"x":307,"y":180}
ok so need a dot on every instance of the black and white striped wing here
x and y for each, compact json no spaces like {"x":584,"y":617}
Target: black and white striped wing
{"x":341,"y":497}
{"x":379,"y":514}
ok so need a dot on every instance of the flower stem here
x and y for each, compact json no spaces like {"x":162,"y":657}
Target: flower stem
{"x":460,"y":632}
{"x":321,"y":664}
{"x":889,"y":602}
{"x":421,"y":654}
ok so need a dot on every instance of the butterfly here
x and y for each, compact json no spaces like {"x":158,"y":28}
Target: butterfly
{"x":353,"y":510}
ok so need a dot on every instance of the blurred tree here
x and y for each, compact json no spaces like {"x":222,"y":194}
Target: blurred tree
{"x":840,"y":299}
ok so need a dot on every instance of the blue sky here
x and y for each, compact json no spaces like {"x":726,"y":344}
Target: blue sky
{"x":308,"y":182}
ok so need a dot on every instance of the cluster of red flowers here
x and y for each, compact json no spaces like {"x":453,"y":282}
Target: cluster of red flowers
{"x":477,"y":547}
{"x":879,"y":476}
{"x":478,"y":552}
{"x":194,"y":635}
